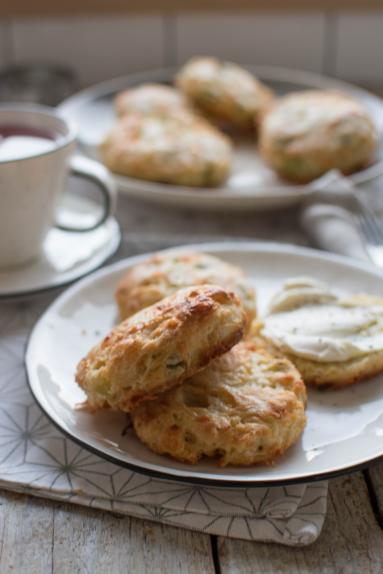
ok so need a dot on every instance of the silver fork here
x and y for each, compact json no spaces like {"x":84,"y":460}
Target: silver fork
{"x":370,"y":222}
{"x":342,"y":220}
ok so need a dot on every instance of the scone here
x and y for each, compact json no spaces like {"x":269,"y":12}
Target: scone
{"x":150,"y":281}
{"x":246,"y":407}
{"x":306,"y":134}
{"x":149,"y":98}
{"x":180,"y":148}
{"x":333,"y":341}
{"x":224,"y":91}
{"x":160,"y":346}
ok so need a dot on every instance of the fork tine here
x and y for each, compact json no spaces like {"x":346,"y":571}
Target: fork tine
{"x":378,"y":226}
{"x":371,"y":226}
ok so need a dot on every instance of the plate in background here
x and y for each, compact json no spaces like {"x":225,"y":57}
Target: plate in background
{"x":345,"y":427}
{"x":252,"y":185}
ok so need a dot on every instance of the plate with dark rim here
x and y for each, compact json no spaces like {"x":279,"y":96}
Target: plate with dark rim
{"x":252,"y":184}
{"x":345,"y":427}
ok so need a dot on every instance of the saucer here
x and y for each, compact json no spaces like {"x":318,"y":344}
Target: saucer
{"x":66,"y":256}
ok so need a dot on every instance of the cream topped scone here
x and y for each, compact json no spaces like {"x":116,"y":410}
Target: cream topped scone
{"x":305,"y":134}
{"x":179,"y":148}
{"x":224,"y":91}
{"x":332,"y":340}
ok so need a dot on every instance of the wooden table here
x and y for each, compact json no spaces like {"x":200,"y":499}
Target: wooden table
{"x":39,"y":536}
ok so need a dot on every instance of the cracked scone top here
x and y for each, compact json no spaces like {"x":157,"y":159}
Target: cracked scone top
{"x":161,"y":275}
{"x":149,"y":98}
{"x":246,"y":407}
{"x":224,"y":91}
{"x":157,"y":348}
{"x":180,"y":148}
{"x":305,"y":134}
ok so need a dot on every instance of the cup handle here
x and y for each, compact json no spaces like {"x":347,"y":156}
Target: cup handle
{"x":93,"y":171}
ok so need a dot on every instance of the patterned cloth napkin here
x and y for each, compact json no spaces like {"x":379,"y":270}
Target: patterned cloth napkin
{"x":37,"y":459}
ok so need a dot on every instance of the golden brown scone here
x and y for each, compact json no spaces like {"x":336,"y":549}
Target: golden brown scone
{"x":224,"y":91}
{"x":253,"y":335}
{"x":149,"y":98}
{"x":150,"y":281}
{"x":157,"y":348}
{"x":181,"y":148}
{"x":333,"y":375}
{"x":308,"y":133}
{"x":246,"y":407}
{"x":345,"y":334}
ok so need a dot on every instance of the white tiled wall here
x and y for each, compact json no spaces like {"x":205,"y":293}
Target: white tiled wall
{"x":349,"y":45}
{"x":255,"y":38}
{"x":360,"y":47}
{"x":99,"y":48}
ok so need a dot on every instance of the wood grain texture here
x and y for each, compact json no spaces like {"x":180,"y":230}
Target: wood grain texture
{"x":26,"y":528}
{"x":41,"y":537}
{"x":351,"y":541}
{"x":375,"y":475}
{"x":11,"y":8}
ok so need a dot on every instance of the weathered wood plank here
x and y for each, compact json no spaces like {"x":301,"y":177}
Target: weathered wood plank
{"x":86,"y":540}
{"x":26,"y":527}
{"x":376,"y":480}
{"x":39,"y":537}
{"x":351,"y":541}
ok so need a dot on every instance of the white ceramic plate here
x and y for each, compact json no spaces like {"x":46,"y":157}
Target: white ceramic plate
{"x":344,"y":430}
{"x":252,"y":184}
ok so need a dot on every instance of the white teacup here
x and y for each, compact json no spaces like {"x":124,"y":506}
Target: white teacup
{"x":32,"y":179}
